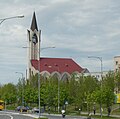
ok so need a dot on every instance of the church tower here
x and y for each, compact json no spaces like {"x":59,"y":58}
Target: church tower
{"x":33,"y":44}
{"x":62,"y":67}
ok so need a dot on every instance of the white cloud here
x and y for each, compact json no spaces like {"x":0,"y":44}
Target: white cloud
{"x":78,"y":28}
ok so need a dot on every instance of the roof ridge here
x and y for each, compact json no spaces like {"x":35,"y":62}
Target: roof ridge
{"x":54,"y":58}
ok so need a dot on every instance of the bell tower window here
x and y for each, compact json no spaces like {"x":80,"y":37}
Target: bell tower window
{"x":34,"y":39}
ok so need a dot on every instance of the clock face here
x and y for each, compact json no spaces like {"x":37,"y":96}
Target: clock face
{"x":34,"y":39}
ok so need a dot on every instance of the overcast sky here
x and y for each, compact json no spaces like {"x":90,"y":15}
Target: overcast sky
{"x":77,"y":28}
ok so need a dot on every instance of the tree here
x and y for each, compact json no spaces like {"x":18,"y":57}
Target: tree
{"x":9,"y":93}
{"x":20,"y":92}
{"x":108,"y":86}
{"x":108,"y":97}
{"x":104,"y":93}
{"x":117,"y":81}
{"x":109,"y":81}
{"x":30,"y":94}
{"x":91,"y":84}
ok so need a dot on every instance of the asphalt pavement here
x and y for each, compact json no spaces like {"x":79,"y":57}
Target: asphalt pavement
{"x":21,"y":117}
{"x":17,"y":115}
{"x":4,"y":117}
{"x":66,"y":117}
{"x":13,"y":115}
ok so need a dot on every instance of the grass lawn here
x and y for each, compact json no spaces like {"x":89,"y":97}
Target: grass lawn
{"x":41,"y":118}
{"x":99,"y":117}
{"x":104,"y":117}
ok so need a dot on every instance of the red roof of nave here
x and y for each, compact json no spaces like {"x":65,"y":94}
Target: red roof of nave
{"x":57,"y":64}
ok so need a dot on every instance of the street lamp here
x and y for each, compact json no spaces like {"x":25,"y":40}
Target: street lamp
{"x":100,"y":59}
{"x":39,"y":78}
{"x":58,"y":91}
{"x":39,"y":73}
{"x":22,"y":84}
{"x":34,"y":39}
{"x":2,"y":20}
{"x":47,"y":48}
{"x":39,"y":51}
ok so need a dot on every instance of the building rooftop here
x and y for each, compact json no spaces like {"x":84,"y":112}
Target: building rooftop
{"x":60,"y":65}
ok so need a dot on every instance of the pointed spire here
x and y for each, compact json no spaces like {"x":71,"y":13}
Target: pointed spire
{"x":34,"y":23}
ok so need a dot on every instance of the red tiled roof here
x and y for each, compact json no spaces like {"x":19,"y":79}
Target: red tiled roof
{"x":57,"y":64}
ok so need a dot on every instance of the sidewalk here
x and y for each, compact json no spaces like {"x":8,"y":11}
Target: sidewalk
{"x":118,"y":116}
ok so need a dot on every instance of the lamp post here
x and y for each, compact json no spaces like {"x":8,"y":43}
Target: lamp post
{"x":100,"y":59}
{"x":23,"y":85}
{"x":58,"y":91}
{"x":39,"y":78}
{"x":47,"y":48}
{"x":2,"y":20}
{"x":39,"y":51}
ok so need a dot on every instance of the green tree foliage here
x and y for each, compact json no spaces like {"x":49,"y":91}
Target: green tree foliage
{"x":30,"y":94}
{"x":20,"y":91}
{"x":9,"y":93}
{"x":105,"y":94}
{"x":108,"y":97}
{"x":117,"y":80}
{"x":85,"y":89}
{"x":31,"y":90}
{"x":108,"y":86}
{"x":109,"y":81}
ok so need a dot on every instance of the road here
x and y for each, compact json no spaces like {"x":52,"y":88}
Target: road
{"x":21,"y":117}
{"x":13,"y":115}
{"x":10,"y":115}
{"x":66,"y":117}
{"x":4,"y":117}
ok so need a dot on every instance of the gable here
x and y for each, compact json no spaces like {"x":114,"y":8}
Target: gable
{"x":60,"y":65}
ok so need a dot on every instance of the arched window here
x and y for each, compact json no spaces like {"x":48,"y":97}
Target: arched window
{"x":34,"y":39}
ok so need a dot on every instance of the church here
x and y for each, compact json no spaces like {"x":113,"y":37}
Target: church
{"x":62,"y":67}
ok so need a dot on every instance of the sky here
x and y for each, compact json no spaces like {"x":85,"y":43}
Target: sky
{"x":77,"y":28}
